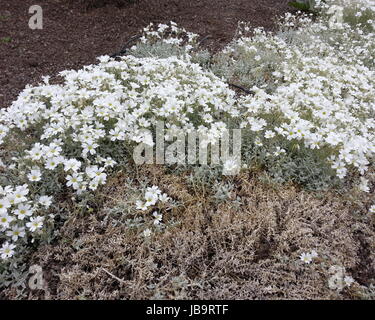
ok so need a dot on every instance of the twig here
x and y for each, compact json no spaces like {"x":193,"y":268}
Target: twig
{"x":113,"y":276}
{"x":242,"y":89}
{"x":203,"y":39}
{"x":125,"y":47}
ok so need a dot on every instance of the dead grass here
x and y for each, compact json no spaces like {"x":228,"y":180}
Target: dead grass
{"x":218,"y":250}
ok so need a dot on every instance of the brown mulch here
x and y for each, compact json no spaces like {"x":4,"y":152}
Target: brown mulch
{"x":75,"y":33}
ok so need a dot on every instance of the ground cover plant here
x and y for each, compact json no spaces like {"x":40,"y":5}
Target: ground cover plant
{"x":302,"y":203}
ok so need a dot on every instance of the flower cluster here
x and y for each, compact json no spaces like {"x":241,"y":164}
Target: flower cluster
{"x":158,"y":217}
{"x":19,"y":216}
{"x":355,"y":12}
{"x":76,"y":126}
{"x":151,"y":197}
{"x":318,"y":92}
{"x":231,"y":166}
{"x":308,"y":257}
{"x":169,"y":34}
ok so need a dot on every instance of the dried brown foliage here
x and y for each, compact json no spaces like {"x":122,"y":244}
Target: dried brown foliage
{"x":218,"y":251}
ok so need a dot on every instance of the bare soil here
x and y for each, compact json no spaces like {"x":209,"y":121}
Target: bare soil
{"x":76,"y":32}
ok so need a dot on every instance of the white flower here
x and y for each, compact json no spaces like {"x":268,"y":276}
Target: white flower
{"x":158,"y":217}
{"x":45,"y":201}
{"x":163,"y":198}
{"x":16,"y":232}
{"x":35,"y":223}
{"x":258,"y":142}
{"x":36,"y":152}
{"x":90,"y":148}
{"x":147,"y":233}
{"x":13,"y":200}
{"x":151,"y":198}
{"x":23,"y":210}
{"x":306,"y":257}
{"x":52,"y":163}
{"x":348,"y":280}
{"x":4,"y":205}
{"x":53,"y":150}
{"x":279,"y":151}
{"x":363,"y":186}
{"x":34,"y":175}
{"x":231,"y":167}
{"x":72,"y":164}
{"x":154,"y":189}
{"x":5,"y":220}
{"x":94,"y":171}
{"x":74,"y":180}
{"x":82,"y":188}
{"x":372,"y":209}
{"x":257,"y":124}
{"x":19,"y":195}
{"x":140,"y":205}
{"x":7,"y":250}
{"x":269,"y":134}
{"x":93,"y":185}
{"x":100,"y":177}
{"x":109,"y":162}
{"x":4,"y":191}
